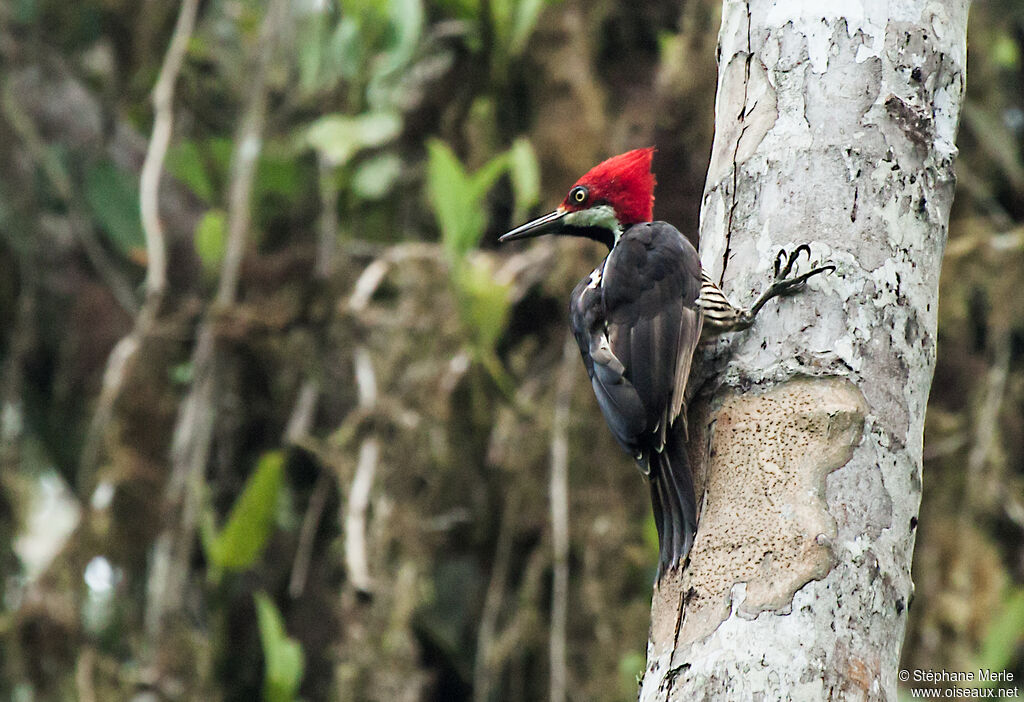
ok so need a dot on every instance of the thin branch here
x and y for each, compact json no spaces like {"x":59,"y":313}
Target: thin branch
{"x":356,"y":562}
{"x":367,"y":283}
{"x":85,"y":674}
{"x":559,"y":489}
{"x":328,"y":225}
{"x":525,"y":619}
{"x":113,"y":379}
{"x":366,"y":379}
{"x":307,"y":535}
{"x":248,"y":144}
{"x":12,"y":379}
{"x":485,"y":668}
{"x":193,"y":430}
{"x":301,"y":421}
{"x":299,"y":425}
{"x":153,"y":166}
{"x":987,"y":420}
{"x":119,"y":360}
{"x":1000,"y":243}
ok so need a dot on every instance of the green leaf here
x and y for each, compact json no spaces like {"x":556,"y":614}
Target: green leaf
{"x":283,"y":658}
{"x":368,"y":10}
{"x":25,"y":11}
{"x":450,"y":193}
{"x":1005,"y":634}
{"x":525,"y":174}
{"x":461,"y":9}
{"x":113,"y":197}
{"x":220,"y":151}
{"x":484,"y":179}
{"x":651,"y":541}
{"x":459,"y":203}
{"x":278,"y":175}
{"x":502,"y":12}
{"x":406,"y":19}
{"x":346,"y":47}
{"x":251,"y":520}
{"x":631,"y":671}
{"x":376,"y":128}
{"x":484,"y":302}
{"x":458,"y":199}
{"x":211,"y":237}
{"x":310,"y":60}
{"x":1005,"y":52}
{"x":339,"y":137}
{"x":527,"y":12}
{"x":185,"y":162}
{"x":404,"y":29}
{"x":182,"y":373}
{"x":373,"y":179}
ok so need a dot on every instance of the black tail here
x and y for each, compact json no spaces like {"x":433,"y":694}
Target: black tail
{"x":672,"y":496}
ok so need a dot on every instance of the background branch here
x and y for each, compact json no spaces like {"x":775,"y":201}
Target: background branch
{"x":193,"y":431}
{"x":559,"y":496}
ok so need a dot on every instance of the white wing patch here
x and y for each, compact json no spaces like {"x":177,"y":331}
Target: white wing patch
{"x":595,"y":279}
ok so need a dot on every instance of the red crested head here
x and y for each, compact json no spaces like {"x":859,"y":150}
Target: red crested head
{"x":624,"y":182}
{"x":611,"y":197}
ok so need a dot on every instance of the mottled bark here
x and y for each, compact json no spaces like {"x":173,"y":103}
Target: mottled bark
{"x":835,"y":126}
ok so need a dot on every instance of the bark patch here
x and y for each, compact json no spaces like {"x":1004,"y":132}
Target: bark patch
{"x":747,"y":96}
{"x":765,"y":523}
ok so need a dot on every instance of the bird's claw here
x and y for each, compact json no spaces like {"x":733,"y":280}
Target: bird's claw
{"x":783,"y":285}
{"x":784,"y":265}
{"x":790,"y":259}
{"x":793,"y":285}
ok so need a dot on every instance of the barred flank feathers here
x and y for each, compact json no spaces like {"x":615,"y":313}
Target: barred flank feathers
{"x":718,"y":311}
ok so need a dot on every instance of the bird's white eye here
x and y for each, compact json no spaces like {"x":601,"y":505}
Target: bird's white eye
{"x":578,"y":194}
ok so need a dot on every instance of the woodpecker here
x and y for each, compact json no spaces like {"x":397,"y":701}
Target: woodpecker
{"x":638,"y":318}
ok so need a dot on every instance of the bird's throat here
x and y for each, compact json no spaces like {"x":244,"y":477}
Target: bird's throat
{"x":601,"y":218}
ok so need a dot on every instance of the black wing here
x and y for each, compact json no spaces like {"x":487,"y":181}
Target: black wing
{"x":619,"y":402}
{"x":637,"y":324}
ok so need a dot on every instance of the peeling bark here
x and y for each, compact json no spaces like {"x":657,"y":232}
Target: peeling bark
{"x":835,"y":126}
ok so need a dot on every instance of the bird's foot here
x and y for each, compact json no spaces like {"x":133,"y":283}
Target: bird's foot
{"x":786,"y":282}
{"x":783,"y":285}
{"x":786,"y":264}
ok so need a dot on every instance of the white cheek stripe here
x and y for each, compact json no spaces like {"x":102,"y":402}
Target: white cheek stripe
{"x":601,"y":216}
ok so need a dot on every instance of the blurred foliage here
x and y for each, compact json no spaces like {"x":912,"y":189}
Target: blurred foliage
{"x":459,"y":202}
{"x":407,"y":135}
{"x":337,"y":138}
{"x":506,"y":23}
{"x":282,"y":655}
{"x":113,"y":196}
{"x":211,"y":238}
{"x":1003,"y":638}
{"x":239,"y":544}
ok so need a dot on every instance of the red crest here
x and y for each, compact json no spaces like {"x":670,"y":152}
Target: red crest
{"x":625,"y":182}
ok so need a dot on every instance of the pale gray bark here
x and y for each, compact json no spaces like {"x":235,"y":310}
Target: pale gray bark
{"x":835,"y":126}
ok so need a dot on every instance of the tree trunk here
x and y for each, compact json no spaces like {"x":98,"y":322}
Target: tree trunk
{"x":836,"y":130}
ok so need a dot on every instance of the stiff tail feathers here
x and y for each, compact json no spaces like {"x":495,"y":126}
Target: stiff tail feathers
{"x":674,"y":502}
